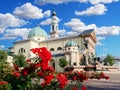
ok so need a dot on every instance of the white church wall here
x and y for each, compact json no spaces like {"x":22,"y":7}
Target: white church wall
{"x":25,"y":45}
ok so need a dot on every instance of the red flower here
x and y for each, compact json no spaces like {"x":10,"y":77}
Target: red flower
{"x":25,"y":71}
{"x":16,"y":67}
{"x":74,"y":77}
{"x":47,"y":80}
{"x":50,"y":68}
{"x":43,"y":53}
{"x":17,"y":74}
{"x":1,"y":82}
{"x":84,"y":88}
{"x":62,"y":80}
{"x":28,"y":60}
{"x":74,"y":88}
{"x":107,"y":77}
{"x":40,"y":74}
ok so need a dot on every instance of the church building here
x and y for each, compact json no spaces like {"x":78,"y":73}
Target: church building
{"x":72,"y":48}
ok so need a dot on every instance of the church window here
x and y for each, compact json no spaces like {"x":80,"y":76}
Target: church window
{"x":59,"y":48}
{"x":52,"y":49}
{"x":21,"y":50}
{"x":68,"y":48}
{"x":53,"y":27}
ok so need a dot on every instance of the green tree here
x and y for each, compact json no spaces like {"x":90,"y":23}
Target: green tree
{"x":109,"y":60}
{"x":63,"y":62}
{"x":3,"y":55}
{"x":19,"y":60}
{"x":82,"y":61}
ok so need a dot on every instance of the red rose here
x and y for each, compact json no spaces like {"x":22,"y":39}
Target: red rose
{"x":17,"y":74}
{"x":62,"y":80}
{"x":74,"y":88}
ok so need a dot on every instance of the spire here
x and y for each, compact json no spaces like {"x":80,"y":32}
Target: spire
{"x":54,"y":13}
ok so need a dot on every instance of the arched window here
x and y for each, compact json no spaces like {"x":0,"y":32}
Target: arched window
{"x":21,"y":50}
{"x":59,"y":48}
{"x":52,"y":49}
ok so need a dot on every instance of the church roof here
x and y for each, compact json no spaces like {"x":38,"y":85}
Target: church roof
{"x":71,"y":43}
{"x":87,"y":32}
{"x":37,"y":31}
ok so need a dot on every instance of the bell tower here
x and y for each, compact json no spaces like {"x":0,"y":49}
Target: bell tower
{"x":54,"y":26}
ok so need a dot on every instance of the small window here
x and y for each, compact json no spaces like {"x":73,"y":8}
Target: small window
{"x":59,"y":48}
{"x":52,"y":49}
{"x":21,"y":50}
{"x":68,"y":48}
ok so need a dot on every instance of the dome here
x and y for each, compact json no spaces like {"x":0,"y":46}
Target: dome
{"x":37,"y":31}
{"x":70,"y":43}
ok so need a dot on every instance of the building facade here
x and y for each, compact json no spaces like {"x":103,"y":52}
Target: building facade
{"x":72,"y":48}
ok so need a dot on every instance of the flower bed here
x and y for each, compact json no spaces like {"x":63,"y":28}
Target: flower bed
{"x":40,"y":76}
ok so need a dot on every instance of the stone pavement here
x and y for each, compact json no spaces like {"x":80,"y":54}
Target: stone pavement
{"x":112,"y":84}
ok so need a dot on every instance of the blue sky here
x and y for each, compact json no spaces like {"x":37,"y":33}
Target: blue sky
{"x":17,"y":17}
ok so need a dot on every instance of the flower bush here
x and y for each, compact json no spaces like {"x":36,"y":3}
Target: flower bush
{"x":38,"y":75}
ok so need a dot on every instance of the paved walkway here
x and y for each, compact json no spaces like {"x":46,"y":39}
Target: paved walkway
{"x":112,"y":84}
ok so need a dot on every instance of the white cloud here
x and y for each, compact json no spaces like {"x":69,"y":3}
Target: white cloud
{"x":2,"y":46}
{"x":43,"y":2}
{"x":111,"y":30}
{"x":79,"y":26}
{"x":102,"y":1}
{"x":98,"y":9}
{"x":9,"y":20}
{"x":48,"y":21}
{"x":71,"y":33}
{"x":30,"y":11}
{"x":74,"y":23}
{"x":100,"y":38}
{"x":62,"y":31}
{"x":99,"y":44}
{"x":47,"y":13}
{"x":14,"y":33}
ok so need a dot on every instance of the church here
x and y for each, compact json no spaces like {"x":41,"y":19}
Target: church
{"x":72,"y":48}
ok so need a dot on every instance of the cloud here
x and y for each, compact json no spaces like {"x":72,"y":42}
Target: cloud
{"x":71,"y":33}
{"x":102,"y":1}
{"x":77,"y":25}
{"x":43,"y":2}
{"x":14,"y":33}
{"x":99,"y":39}
{"x":99,"y":44}
{"x":9,"y":20}
{"x":62,"y":31}
{"x":30,"y":11}
{"x":111,"y":30}
{"x":2,"y":46}
{"x":48,"y":21}
{"x":47,"y":13}
{"x":98,"y":9}
{"x":74,"y":23}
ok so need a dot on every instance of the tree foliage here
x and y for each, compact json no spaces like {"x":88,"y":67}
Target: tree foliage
{"x":19,"y":60}
{"x":82,"y":61}
{"x":63,"y":62}
{"x":109,"y":60}
{"x":3,"y":55}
